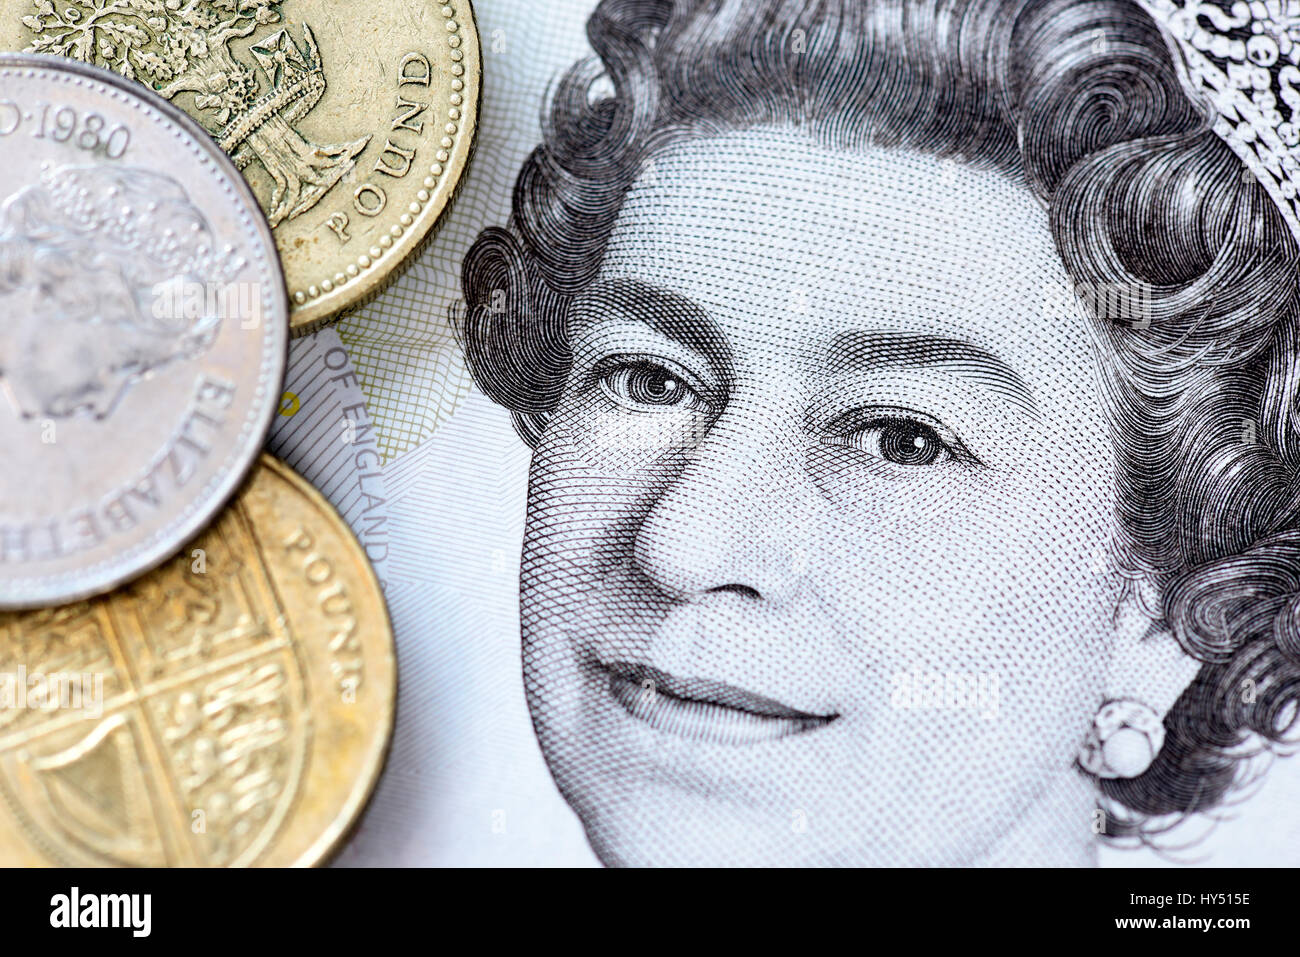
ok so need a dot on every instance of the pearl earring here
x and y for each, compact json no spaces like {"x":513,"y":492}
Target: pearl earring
{"x":1125,"y":738}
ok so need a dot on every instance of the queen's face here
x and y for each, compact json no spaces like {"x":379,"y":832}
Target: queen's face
{"x":817,"y":556}
{"x":66,"y":349}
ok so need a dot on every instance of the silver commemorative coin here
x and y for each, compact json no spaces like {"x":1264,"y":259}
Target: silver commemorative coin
{"x":143,"y":330}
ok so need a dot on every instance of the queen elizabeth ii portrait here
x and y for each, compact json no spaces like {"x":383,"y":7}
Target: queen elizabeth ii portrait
{"x":95,"y":265}
{"x":848,"y":540}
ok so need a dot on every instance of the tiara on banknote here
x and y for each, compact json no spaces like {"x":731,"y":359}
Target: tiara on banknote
{"x":1242,"y":61}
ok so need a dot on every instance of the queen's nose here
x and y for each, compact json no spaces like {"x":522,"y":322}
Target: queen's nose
{"x":736,"y":517}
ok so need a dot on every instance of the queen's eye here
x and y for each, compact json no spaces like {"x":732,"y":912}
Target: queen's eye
{"x":646,"y":384}
{"x":909,"y":443}
{"x":901,"y":439}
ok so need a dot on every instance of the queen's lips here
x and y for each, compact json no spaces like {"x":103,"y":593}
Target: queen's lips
{"x":702,"y":709}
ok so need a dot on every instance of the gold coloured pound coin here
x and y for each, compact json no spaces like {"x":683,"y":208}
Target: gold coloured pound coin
{"x":353,"y":122}
{"x":231,"y":708}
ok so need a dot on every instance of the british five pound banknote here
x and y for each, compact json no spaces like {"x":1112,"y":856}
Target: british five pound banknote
{"x":844,"y":433}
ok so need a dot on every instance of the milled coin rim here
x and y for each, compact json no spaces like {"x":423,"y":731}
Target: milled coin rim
{"x":336,"y":835}
{"x":325,"y":308}
{"x":203,"y":506}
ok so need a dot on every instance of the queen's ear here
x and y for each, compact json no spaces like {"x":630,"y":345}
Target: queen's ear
{"x":1146,"y":674}
{"x":1147,"y":664}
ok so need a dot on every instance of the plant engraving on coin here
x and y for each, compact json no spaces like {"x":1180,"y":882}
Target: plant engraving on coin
{"x":250,"y":108}
{"x":92,"y":250}
{"x":353,"y":123}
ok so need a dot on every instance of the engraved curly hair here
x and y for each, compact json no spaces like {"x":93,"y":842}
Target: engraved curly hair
{"x":1081,"y":103}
